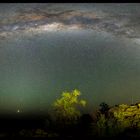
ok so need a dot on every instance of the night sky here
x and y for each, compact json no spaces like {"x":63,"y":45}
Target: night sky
{"x":49,"y":48}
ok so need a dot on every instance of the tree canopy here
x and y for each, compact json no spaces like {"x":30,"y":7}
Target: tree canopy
{"x":66,"y":107}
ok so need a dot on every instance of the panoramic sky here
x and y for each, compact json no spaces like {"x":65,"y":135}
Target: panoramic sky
{"x":119,"y":19}
{"x":49,"y":48}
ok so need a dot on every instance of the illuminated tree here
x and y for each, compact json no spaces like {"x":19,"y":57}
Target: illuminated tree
{"x":127,"y":116}
{"x":66,"y":107}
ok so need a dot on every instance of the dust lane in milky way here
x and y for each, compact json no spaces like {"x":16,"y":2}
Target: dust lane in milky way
{"x":41,"y":16}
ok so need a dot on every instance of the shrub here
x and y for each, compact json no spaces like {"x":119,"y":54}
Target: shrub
{"x":66,"y":107}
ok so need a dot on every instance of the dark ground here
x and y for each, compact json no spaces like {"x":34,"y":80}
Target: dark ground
{"x":11,"y":126}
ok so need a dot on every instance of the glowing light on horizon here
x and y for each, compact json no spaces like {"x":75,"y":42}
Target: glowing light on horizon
{"x":18,"y":111}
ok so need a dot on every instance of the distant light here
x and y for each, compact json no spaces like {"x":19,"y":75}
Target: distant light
{"x":18,"y":111}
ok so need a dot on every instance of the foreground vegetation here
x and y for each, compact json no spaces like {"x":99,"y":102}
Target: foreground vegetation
{"x":67,"y":121}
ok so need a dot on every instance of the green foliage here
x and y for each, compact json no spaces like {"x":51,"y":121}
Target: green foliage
{"x":127,"y":116}
{"x":102,"y":121}
{"x":112,"y":127}
{"x":102,"y":125}
{"x":66,"y":106}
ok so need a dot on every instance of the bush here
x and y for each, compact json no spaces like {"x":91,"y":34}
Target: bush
{"x":66,"y":106}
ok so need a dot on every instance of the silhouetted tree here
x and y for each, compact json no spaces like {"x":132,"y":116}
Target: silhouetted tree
{"x":104,"y":108}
